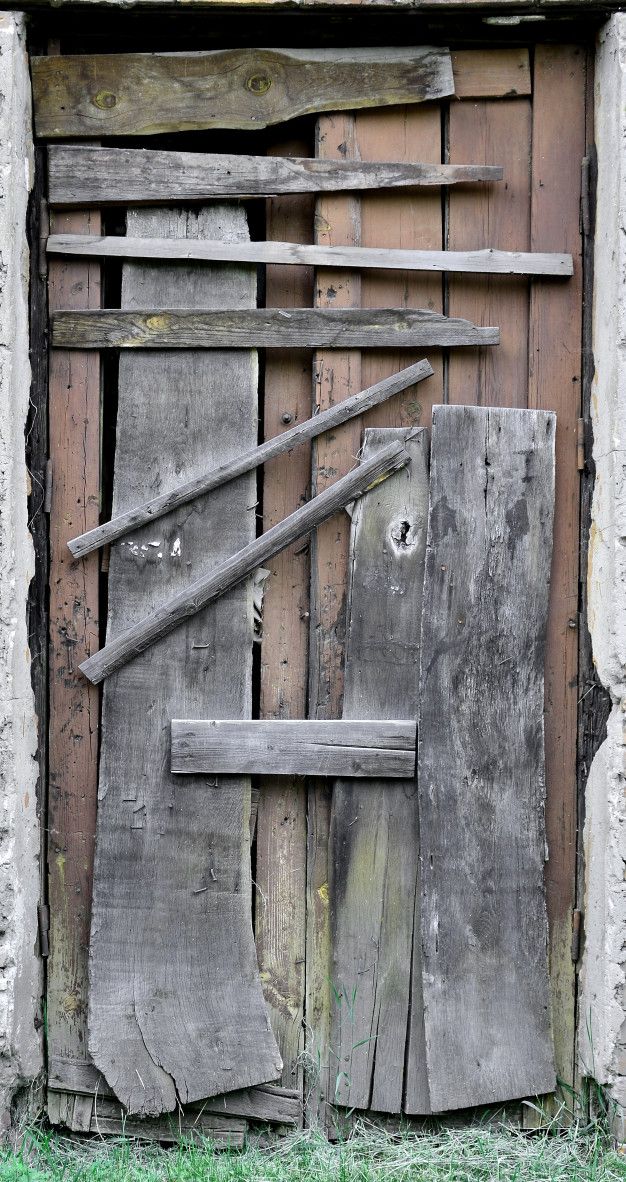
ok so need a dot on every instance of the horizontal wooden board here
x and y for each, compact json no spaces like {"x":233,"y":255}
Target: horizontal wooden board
{"x":164,"y":619}
{"x":491,"y":73}
{"x":84,"y":176}
{"x":485,"y":262}
{"x":279,"y":445}
{"x":512,"y":8}
{"x":109,"y":1118}
{"x":293,"y":747}
{"x":266,"y":328}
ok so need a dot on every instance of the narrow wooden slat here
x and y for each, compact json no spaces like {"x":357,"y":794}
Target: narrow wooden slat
{"x":109,"y":1119}
{"x":129,"y":176}
{"x":74,"y":403}
{"x":265,"y":328}
{"x":491,"y":73}
{"x":97,"y":95}
{"x":481,"y":780}
{"x":555,"y":384}
{"x":374,"y":827}
{"x":485,"y":262}
{"x":325,"y":421}
{"x":512,"y":8}
{"x":169,"y":1024}
{"x":293,"y":747}
{"x":167,"y":616}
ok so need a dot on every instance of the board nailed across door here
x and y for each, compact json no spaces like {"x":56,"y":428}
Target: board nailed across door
{"x":296,"y":873}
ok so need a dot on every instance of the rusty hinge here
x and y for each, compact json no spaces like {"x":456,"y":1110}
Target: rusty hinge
{"x":580,"y":445}
{"x":577,"y":924}
{"x":43,"y":925}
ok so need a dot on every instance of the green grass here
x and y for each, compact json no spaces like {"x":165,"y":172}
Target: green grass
{"x":462,"y":1155}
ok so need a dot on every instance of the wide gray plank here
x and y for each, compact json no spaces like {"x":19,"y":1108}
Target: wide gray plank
{"x":294,"y":747}
{"x":481,"y":776}
{"x":374,"y":827}
{"x":83,"y":176}
{"x":267,"y":328}
{"x":176,"y":1011}
{"x":485,"y":262}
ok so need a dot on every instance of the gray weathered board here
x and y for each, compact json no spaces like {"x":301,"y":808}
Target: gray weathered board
{"x":176,"y":1011}
{"x":111,"y":94}
{"x":480,"y":262}
{"x":295,"y":747}
{"x":263,"y":328}
{"x":81,"y":175}
{"x":170,"y":613}
{"x":325,"y":420}
{"x":481,"y":777}
{"x":374,"y":827}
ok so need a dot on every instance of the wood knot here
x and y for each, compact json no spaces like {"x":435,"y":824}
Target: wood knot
{"x":258,"y":84}
{"x":105,"y":100}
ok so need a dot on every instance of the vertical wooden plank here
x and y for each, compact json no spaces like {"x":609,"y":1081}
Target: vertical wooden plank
{"x":374,"y":825}
{"x":555,"y":384}
{"x":497,"y":216}
{"x":481,"y":770}
{"x":281,"y":821}
{"x":176,"y":1012}
{"x":74,"y":415}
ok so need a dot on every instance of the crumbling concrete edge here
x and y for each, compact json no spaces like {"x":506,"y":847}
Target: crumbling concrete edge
{"x":21,"y":1057}
{"x":602,"y":997}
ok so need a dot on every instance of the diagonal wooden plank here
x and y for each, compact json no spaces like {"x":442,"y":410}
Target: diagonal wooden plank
{"x":111,"y":94}
{"x":481,"y":777}
{"x":294,"y":747}
{"x":374,"y":827}
{"x":81,"y":175}
{"x":176,"y":1012}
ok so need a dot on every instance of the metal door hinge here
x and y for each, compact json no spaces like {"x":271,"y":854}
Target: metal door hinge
{"x":577,"y":925}
{"x":43,"y":925}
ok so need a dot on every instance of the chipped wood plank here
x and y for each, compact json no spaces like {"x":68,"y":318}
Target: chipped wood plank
{"x":374,"y":838}
{"x":480,"y":262}
{"x":265,"y":328}
{"x":481,"y":777}
{"x":294,"y":747}
{"x":108,"y":1119}
{"x":165,"y":617}
{"x":81,"y":175}
{"x":167,"y":1024}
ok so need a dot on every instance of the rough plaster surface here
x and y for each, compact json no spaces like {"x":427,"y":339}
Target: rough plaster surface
{"x":20,"y":971}
{"x":602,"y":1014}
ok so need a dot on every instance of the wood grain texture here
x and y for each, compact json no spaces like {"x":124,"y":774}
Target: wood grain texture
{"x":107,"y":1118}
{"x":80,"y":175}
{"x":164,"y":617}
{"x":95,"y":95}
{"x":294,"y":747}
{"x":555,"y":384}
{"x":587,"y":8}
{"x":481,"y":778}
{"x":265,"y":328}
{"x":168,"y":1023}
{"x":74,"y":393}
{"x":491,"y":73}
{"x":374,"y":835}
{"x":285,"y":442}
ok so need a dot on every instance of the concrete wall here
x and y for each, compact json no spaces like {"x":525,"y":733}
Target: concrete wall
{"x":602,"y":1011}
{"x":20,"y":968}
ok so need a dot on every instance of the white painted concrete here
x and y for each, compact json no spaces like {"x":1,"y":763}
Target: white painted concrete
{"x":20,"y":969}
{"x":602,"y":1026}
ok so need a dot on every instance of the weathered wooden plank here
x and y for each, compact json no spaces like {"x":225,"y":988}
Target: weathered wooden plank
{"x":555,"y":384}
{"x":294,"y":747}
{"x":374,"y":827}
{"x":168,"y":1023}
{"x":265,"y":328}
{"x":481,"y":782}
{"x":513,"y":8}
{"x":110,"y":94}
{"x":165,"y":617}
{"x":80,"y":175}
{"x":74,"y":426}
{"x":491,"y":73}
{"x":108,"y":1118}
{"x":309,"y":429}
{"x":485,"y":262}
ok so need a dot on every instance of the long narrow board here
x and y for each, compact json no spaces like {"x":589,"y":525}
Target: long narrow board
{"x":80,"y":175}
{"x":95,"y":95}
{"x":481,"y":262}
{"x":176,"y":1012}
{"x":374,"y":826}
{"x":481,"y":777}
{"x":264,"y":328}
{"x":294,"y":747}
